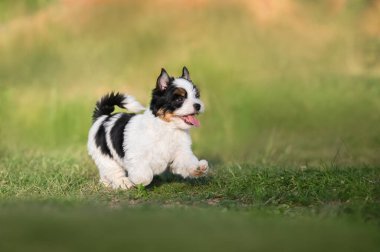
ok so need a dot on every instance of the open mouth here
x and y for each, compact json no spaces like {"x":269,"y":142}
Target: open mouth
{"x":190,"y":120}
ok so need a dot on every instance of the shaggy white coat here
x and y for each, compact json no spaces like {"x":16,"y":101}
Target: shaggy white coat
{"x":151,"y":145}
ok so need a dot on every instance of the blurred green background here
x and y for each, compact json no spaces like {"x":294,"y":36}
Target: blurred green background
{"x":291,"y":129}
{"x":289,"y":81}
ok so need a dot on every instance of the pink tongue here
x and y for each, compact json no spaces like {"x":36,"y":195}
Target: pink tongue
{"x":193,"y":120}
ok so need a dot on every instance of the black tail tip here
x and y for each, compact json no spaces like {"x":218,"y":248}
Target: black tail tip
{"x":106,"y":105}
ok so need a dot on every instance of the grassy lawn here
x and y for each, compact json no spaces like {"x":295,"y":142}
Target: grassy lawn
{"x":56,"y":203}
{"x":291,"y":128}
{"x":322,"y":190}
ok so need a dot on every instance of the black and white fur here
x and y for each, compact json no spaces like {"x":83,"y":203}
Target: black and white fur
{"x":129,"y":149}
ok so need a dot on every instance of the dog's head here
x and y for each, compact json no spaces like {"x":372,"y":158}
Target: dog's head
{"x":176,"y":100}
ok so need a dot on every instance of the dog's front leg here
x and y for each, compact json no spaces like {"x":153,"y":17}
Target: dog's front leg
{"x":187,"y":164}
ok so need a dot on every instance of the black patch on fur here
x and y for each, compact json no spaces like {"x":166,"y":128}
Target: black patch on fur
{"x":197,"y":93}
{"x":196,"y":89}
{"x":100,"y":140}
{"x":117,"y":133}
{"x":167,"y":100}
{"x":105,"y":106}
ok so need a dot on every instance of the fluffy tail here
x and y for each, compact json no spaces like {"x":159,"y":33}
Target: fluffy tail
{"x":105,"y":106}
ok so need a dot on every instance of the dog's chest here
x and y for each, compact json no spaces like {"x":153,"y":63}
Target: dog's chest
{"x":153,"y":143}
{"x":164,"y":150}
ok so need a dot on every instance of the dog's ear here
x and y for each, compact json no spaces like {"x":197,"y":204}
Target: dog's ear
{"x":163,"y":80}
{"x":185,"y":74}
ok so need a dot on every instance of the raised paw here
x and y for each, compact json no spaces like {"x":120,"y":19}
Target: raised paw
{"x":202,"y":169}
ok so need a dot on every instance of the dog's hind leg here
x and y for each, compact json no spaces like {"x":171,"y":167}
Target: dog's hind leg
{"x":112,"y":174}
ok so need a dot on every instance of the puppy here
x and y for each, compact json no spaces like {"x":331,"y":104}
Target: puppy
{"x":129,"y":148}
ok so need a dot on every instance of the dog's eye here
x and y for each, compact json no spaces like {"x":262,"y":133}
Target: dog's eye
{"x":180,"y":99}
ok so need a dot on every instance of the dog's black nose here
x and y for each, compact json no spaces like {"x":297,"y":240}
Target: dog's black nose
{"x":197,"y":106}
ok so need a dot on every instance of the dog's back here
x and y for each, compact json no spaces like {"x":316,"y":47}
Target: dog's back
{"x":106,"y":136}
{"x":129,"y":148}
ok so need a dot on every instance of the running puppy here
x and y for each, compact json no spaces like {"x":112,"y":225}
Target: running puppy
{"x":129,"y":149}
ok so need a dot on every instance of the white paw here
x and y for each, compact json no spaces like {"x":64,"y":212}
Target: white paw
{"x":201,"y":170}
{"x":105,"y":182}
{"x":203,"y":165}
{"x":121,"y":183}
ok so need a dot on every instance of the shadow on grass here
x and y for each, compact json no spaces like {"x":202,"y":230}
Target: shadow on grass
{"x":169,"y":178}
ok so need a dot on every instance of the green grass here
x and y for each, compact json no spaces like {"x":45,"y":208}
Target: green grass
{"x":290,"y":129}
{"x":90,"y":228}
{"x":58,"y":204}
{"x":287,"y":190}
